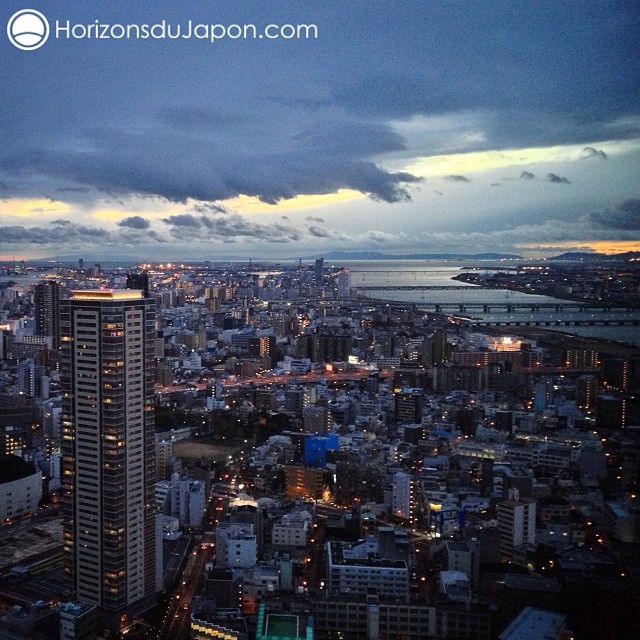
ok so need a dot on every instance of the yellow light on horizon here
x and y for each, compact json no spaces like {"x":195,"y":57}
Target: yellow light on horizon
{"x":249,"y":204}
{"x":460,"y":163}
{"x":33,"y":207}
{"x":599,"y":246}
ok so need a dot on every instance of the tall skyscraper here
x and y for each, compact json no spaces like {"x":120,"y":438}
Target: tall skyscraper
{"x":138,"y":280}
{"x":108,"y":448}
{"x":47,"y":302}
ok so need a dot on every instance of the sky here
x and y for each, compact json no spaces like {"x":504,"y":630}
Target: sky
{"x":421,"y":126}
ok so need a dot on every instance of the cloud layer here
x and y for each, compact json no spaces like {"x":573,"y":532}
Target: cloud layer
{"x":196,"y":125}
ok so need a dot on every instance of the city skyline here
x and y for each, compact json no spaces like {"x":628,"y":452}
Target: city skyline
{"x":444,"y":127}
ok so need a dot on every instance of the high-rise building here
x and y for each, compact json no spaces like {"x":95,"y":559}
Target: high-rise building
{"x":47,"y":302}
{"x":138,"y":280}
{"x":611,"y":411}
{"x":409,"y":405}
{"x":616,"y":374}
{"x":317,"y":420}
{"x":32,"y":380}
{"x":108,"y":448}
{"x":403,"y":497}
{"x":517,"y":525}
{"x":586,"y":390}
{"x":263,"y":347}
{"x":581,"y":358}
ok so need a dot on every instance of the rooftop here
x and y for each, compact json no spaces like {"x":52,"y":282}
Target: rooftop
{"x":77,"y":608}
{"x":13,"y":468}
{"x":98,"y":295}
{"x":534,"y":624}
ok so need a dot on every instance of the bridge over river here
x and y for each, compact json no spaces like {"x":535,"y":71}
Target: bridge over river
{"x":557,"y":323}
{"x":505,"y":306}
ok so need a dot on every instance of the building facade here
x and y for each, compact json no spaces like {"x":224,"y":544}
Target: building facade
{"x":47,"y":307}
{"x":108,"y":448}
{"x":20,"y":488}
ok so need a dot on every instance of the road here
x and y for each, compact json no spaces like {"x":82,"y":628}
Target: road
{"x":176,"y":620}
{"x":302,"y":378}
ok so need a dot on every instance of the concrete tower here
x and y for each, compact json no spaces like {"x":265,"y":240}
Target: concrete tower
{"x":108,"y":448}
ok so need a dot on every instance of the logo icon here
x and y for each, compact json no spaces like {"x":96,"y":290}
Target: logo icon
{"x":28,"y":29}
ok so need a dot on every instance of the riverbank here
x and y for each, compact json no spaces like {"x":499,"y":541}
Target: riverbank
{"x":560,"y":340}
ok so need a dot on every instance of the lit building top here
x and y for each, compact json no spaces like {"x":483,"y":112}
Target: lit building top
{"x":107,"y":294}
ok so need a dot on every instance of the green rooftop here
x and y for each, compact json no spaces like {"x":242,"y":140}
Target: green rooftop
{"x":279,"y":626}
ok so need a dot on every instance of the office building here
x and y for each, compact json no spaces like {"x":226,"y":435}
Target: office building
{"x":78,"y":621}
{"x":108,"y":449}
{"x":47,"y":303}
{"x":616,"y":374}
{"x":316,"y":420}
{"x":611,"y":412}
{"x":348,"y":574}
{"x":139,"y":280}
{"x":236,"y":545}
{"x":408,"y":405}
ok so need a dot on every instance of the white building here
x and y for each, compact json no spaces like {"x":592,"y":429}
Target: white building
{"x":402,"y":497}
{"x":295,"y":365}
{"x":356,"y":575}
{"x":290,"y":533}
{"x":463,"y":556}
{"x":516,"y":523}
{"x":78,"y":621}
{"x":236,"y":545}
{"x":170,"y":527}
{"x":188,"y":502}
{"x":55,"y":472}
{"x":20,"y":487}
{"x":183,"y":499}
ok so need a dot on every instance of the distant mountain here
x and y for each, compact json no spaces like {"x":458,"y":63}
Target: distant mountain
{"x":587,"y":256}
{"x":376,"y":255}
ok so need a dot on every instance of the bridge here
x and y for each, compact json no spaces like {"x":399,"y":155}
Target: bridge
{"x":556,"y":323}
{"x":512,"y":307}
{"x":420,"y":287}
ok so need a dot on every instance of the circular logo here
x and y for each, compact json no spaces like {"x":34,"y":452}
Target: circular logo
{"x":28,"y":29}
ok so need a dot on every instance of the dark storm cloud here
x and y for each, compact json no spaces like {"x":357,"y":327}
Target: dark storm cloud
{"x":209,"y":207}
{"x":553,"y":177}
{"x":624,"y":216}
{"x":484,"y":74}
{"x":183,"y":220}
{"x":527,"y":175}
{"x":134,"y":222}
{"x":319,"y":232}
{"x":66,"y":190}
{"x":592,"y":152}
{"x":457,"y":178}
{"x":379,"y":236}
{"x":178,"y":167}
{"x":68,"y":234}
{"x":228,"y":227}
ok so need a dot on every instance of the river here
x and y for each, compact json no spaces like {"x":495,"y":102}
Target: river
{"x":436,"y":273}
